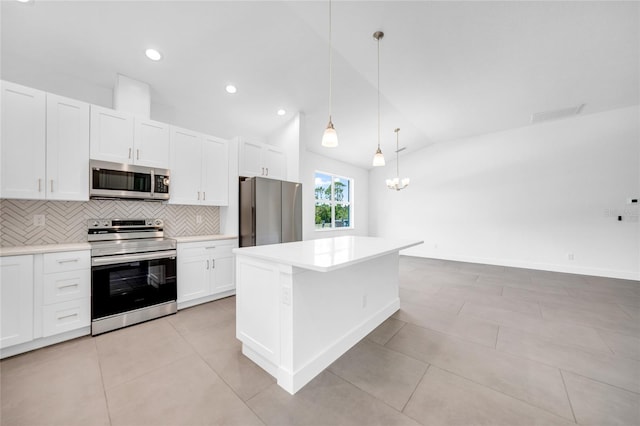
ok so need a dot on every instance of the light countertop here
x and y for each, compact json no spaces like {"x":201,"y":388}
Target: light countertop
{"x":327,"y":254}
{"x":44,"y":248}
{"x":196,"y":238}
{"x":54,"y":248}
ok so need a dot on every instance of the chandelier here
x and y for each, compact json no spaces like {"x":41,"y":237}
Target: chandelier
{"x":397,"y":183}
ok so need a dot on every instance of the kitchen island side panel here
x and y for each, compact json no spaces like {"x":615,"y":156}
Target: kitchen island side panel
{"x":295,"y":322}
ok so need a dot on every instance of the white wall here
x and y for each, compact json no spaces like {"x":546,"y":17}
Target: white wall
{"x":288,"y":138}
{"x":309,"y":164}
{"x":526,"y":197}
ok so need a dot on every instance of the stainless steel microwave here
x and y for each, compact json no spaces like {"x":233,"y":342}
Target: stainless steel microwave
{"x":116,"y":180}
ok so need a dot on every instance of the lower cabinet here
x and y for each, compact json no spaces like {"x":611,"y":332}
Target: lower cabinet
{"x":205,"y":271}
{"x":16,"y":300}
{"x":44,"y":298}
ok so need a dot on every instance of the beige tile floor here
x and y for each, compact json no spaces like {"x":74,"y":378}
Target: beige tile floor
{"x":472,"y":344}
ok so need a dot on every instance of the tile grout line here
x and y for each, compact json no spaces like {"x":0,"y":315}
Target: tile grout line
{"x":104,"y":389}
{"x":414,"y":390}
{"x":568,"y":397}
{"x":195,"y":351}
{"x":393,"y":335}
{"x":501,"y":392}
{"x":497,"y":334}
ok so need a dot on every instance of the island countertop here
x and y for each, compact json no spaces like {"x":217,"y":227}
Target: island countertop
{"x":327,"y":254}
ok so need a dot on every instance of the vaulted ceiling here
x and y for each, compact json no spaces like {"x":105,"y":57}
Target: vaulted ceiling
{"x":448,"y":69}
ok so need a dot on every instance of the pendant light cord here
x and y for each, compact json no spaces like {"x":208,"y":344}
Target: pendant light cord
{"x":330,"y":62}
{"x":378,"y":93}
{"x":397,"y":154}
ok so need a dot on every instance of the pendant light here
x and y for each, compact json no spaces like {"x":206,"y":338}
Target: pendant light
{"x":330,"y":137}
{"x":397,"y":183}
{"x":378,"y":158}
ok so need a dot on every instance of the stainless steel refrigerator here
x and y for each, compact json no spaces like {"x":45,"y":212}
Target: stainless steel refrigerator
{"x":270,"y":211}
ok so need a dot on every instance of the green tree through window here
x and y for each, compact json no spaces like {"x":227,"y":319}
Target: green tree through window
{"x":333,"y":201}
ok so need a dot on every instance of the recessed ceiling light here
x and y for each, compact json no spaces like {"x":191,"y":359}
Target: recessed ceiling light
{"x":153,"y":54}
{"x":24,"y":1}
{"x":231,"y":88}
{"x":281,"y":112}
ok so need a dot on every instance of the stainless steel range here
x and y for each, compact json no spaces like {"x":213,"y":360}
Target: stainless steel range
{"x":133,"y":272}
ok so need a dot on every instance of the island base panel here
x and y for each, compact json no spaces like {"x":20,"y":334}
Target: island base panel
{"x":294,"y":322}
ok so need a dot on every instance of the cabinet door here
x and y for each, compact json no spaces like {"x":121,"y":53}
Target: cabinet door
{"x":223,"y":272}
{"x":275,"y":163}
{"x":186,"y":167}
{"x":215,"y":172}
{"x":111,"y":135}
{"x":250,"y":157}
{"x":16,"y":300}
{"x":22,"y":145}
{"x":151,"y":143}
{"x":67,"y":149}
{"x":193,"y":273}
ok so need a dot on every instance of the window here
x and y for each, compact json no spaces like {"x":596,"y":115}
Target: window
{"x":333,"y":201}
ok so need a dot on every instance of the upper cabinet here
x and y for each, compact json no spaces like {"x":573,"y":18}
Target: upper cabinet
{"x":67,"y":149}
{"x":119,"y":137}
{"x":260,"y":159}
{"x":45,"y":145}
{"x":199,"y":168}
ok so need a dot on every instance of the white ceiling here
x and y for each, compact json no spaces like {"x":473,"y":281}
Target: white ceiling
{"x":448,"y":69}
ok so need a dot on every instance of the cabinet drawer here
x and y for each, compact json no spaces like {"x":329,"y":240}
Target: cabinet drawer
{"x":66,"y":261}
{"x":65,"y":286}
{"x":66,"y":316}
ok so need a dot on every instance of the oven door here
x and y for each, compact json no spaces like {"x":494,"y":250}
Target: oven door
{"x":124,"y":283}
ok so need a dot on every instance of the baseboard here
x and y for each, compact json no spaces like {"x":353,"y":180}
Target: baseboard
{"x":44,"y":341}
{"x":580,"y":270}
{"x":206,"y":299}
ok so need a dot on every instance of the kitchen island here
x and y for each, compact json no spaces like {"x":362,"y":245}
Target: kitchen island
{"x":301,"y":305}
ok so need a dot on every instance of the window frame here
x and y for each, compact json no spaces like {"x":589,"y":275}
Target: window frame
{"x":333,"y":202}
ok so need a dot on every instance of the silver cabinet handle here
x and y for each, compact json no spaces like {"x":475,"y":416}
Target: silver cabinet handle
{"x":198,"y":195}
{"x":207,"y":263}
{"x":39,"y":184}
{"x":51,"y":185}
{"x":213,"y":264}
{"x":137,"y":154}
{"x":267,"y":171}
{"x":263,"y":171}
{"x":68,"y":316}
{"x":129,"y":153}
{"x":67,"y":285}
{"x":68,"y":260}
{"x":204,"y":195}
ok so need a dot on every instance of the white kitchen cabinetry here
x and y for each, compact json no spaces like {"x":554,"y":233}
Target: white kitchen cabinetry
{"x":16,"y":300}
{"x":67,"y":149}
{"x":199,"y":169}
{"x":45,"y":145}
{"x":205,"y":271}
{"x":118,"y":137}
{"x":23,"y":142}
{"x":45,"y":299}
{"x":260,"y":159}
{"x":66,"y":292}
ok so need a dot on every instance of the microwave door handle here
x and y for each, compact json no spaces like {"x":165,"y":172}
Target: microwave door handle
{"x":153,"y":182}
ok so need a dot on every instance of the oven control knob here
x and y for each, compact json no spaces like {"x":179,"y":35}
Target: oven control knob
{"x":105,"y":223}
{"x":158,"y":222}
{"x":96,"y":223}
{"x":149,"y":222}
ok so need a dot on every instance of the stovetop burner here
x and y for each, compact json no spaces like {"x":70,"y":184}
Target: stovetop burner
{"x":125,"y":236}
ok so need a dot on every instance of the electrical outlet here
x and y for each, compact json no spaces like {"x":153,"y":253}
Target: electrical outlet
{"x":38,"y":220}
{"x":570,"y":256}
